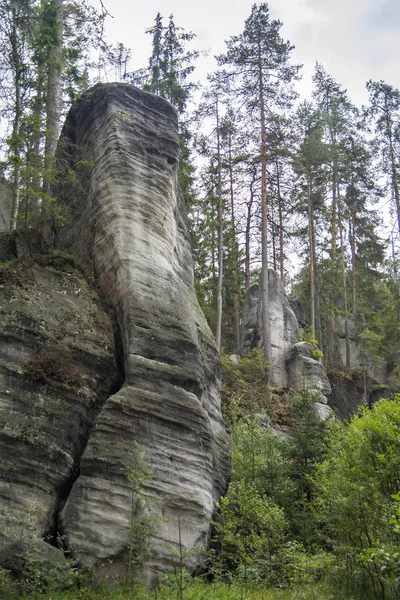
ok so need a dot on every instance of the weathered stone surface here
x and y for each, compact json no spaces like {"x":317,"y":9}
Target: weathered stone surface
{"x":305,"y":372}
{"x":126,"y":215}
{"x":283,"y":324}
{"x":251,"y":335}
{"x":56,"y":370}
{"x":5,"y":207}
{"x":322,"y":411}
{"x":358,"y":360}
{"x":299,"y":310}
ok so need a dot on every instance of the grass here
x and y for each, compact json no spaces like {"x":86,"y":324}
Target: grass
{"x":206,"y":591}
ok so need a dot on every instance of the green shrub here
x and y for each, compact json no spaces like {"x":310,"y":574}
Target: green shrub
{"x":356,"y":487}
{"x":250,"y":531}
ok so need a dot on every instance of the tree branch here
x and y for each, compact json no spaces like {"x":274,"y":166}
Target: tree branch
{"x":105,"y":11}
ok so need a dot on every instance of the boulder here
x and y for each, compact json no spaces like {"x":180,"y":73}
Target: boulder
{"x":126,"y":218}
{"x":307,"y":373}
{"x":321,"y":411}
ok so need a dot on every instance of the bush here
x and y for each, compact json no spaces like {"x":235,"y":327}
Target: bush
{"x":250,"y":531}
{"x":245,"y":388}
{"x":356,"y":488}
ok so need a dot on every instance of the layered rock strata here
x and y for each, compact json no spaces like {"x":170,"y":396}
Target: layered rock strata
{"x":126,"y":216}
{"x":56,"y":370}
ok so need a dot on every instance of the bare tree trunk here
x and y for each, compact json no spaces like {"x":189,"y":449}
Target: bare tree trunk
{"x":280,"y":211}
{"x":344,"y":282}
{"x":54,"y":89}
{"x":234,"y":254}
{"x":272,"y":204}
{"x":332,"y":325}
{"x":15,"y":143}
{"x":353,"y":259}
{"x":249,"y":205}
{"x":17,"y":167}
{"x":264,"y":228}
{"x":218,"y":328}
{"x":312,"y":253}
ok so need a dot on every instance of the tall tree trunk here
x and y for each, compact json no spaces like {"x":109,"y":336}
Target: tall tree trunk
{"x":280,"y":212}
{"x":318,"y":322}
{"x":332,"y":355}
{"x":344,"y":282}
{"x":15,"y":141}
{"x":249,"y":206}
{"x":312,"y":253}
{"x":264,"y":227}
{"x":234,"y":254}
{"x":54,"y":89}
{"x":353,"y":259}
{"x":218,"y":332}
{"x":273,"y":231}
{"x":17,"y":167}
{"x":395,"y":184}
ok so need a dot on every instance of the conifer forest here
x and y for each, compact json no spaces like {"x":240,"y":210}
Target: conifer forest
{"x":308,"y":187}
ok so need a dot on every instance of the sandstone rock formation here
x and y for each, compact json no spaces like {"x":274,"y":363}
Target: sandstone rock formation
{"x":126,"y":217}
{"x":294,"y":365}
{"x":56,"y":371}
{"x":283,"y":323}
{"x":305,"y":372}
{"x":358,"y":359}
{"x":5,"y":207}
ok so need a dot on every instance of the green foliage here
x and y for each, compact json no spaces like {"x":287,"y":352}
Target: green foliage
{"x":141,"y":525}
{"x":261,"y":460}
{"x":356,"y":487}
{"x":42,"y":569}
{"x":250,"y":530}
{"x":244,"y":388}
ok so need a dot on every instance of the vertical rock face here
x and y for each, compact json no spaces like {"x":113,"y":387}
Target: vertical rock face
{"x":283,"y":324}
{"x":126,"y":215}
{"x":56,"y":370}
{"x":358,"y":358}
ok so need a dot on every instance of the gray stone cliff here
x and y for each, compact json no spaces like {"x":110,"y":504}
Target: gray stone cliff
{"x":126,"y":218}
{"x":56,"y":371}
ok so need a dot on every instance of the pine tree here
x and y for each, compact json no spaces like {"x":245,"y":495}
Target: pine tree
{"x":384,"y":112}
{"x":15,"y":70}
{"x":259,"y":58}
{"x":338,"y":117}
{"x":155,"y":61}
{"x":310,"y":157}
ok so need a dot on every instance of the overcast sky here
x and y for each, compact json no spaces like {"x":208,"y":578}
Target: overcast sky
{"x":355,"y":40}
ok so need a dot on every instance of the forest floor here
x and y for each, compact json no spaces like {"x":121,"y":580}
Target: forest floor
{"x":210,"y":591}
